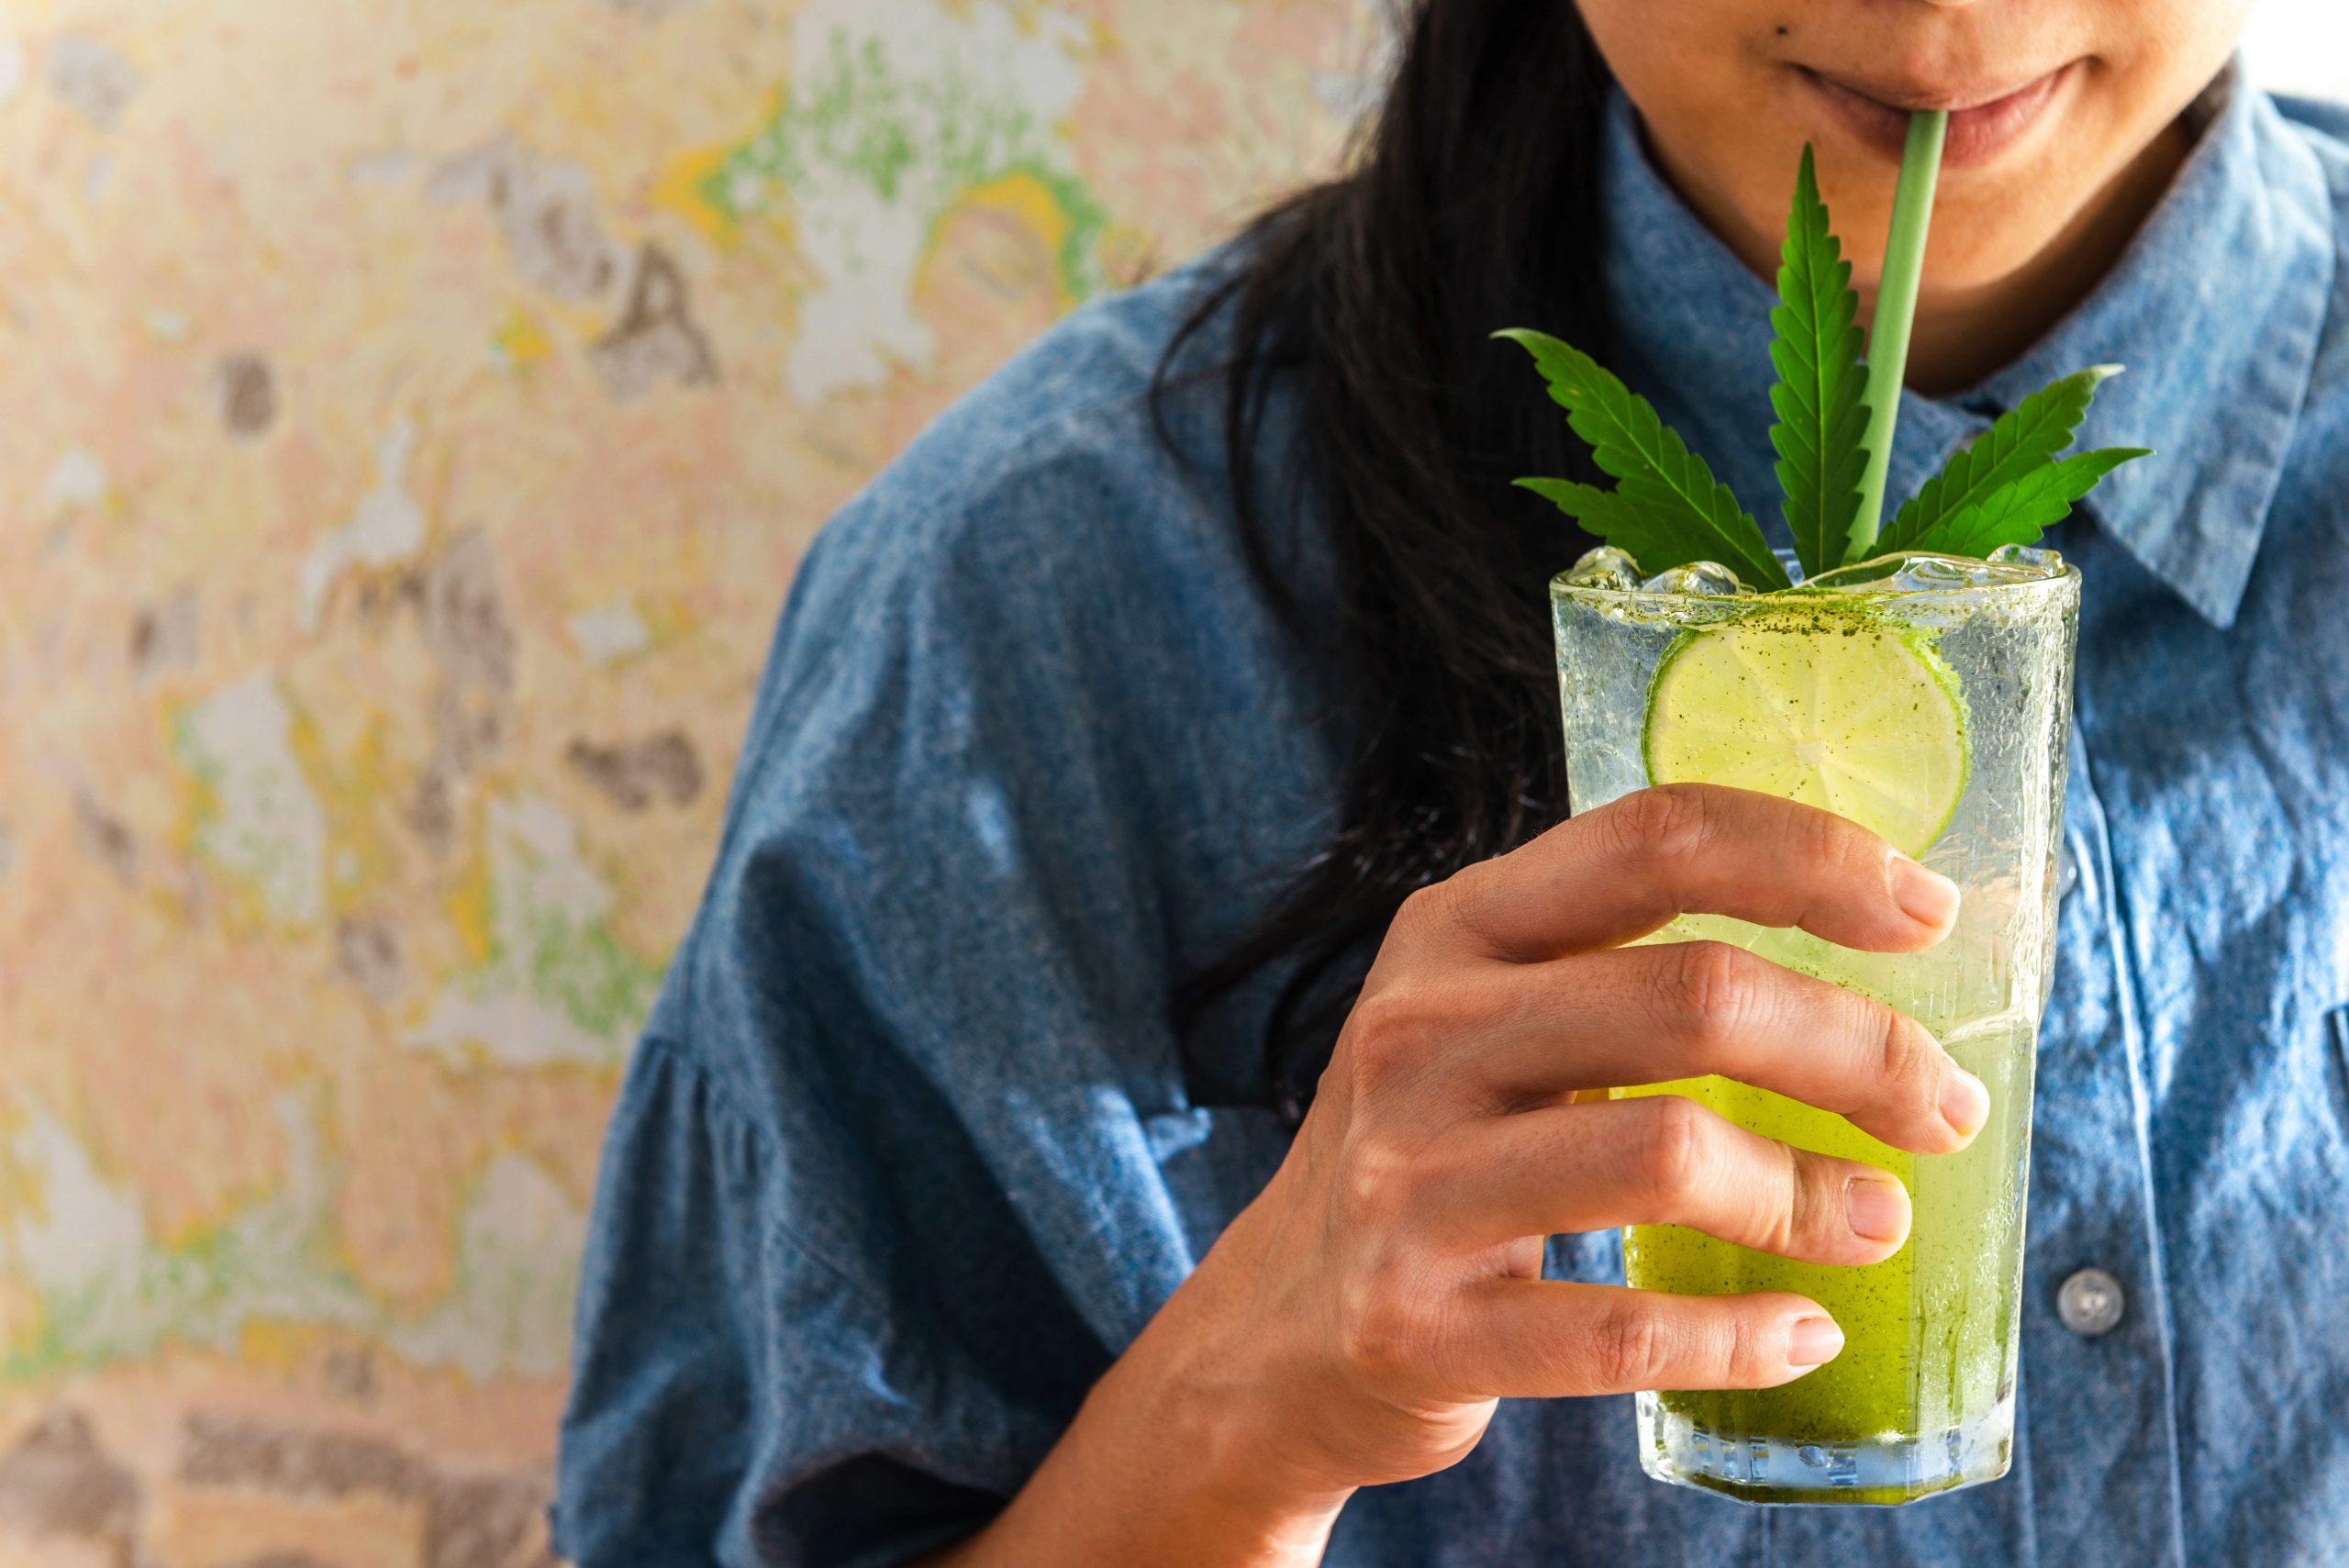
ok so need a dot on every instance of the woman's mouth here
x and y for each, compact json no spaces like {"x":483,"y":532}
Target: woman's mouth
{"x":1982,"y":123}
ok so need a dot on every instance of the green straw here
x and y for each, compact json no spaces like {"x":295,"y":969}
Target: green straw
{"x":1895,"y":313}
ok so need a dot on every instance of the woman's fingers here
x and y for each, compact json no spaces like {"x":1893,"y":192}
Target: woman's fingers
{"x":1614,"y":874}
{"x":1512,"y":1035}
{"x":1518,"y":1339}
{"x":1657,"y":1159}
{"x":1505,"y":987}
{"x":1683,"y":1009}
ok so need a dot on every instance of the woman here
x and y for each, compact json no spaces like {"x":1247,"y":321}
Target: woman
{"x":1111,"y":1105}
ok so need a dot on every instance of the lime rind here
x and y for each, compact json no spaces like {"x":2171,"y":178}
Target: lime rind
{"x":1900,"y":775}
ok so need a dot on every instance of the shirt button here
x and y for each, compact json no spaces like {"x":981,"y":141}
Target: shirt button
{"x":2091,"y":1303}
{"x":2068,"y":872}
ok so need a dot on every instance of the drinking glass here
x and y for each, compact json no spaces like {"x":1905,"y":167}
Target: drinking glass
{"x":1922,"y":1398}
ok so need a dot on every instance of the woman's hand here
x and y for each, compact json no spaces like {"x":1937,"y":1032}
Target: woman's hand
{"x":1357,"y":1323}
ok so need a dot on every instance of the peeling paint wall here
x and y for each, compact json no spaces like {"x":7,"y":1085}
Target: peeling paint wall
{"x":410,"y":416}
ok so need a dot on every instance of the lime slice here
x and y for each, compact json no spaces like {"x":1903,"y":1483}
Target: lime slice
{"x":1851,"y":715}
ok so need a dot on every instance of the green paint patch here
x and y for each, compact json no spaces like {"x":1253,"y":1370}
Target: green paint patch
{"x":198,"y":1291}
{"x":584,"y":969}
{"x":554,"y":982}
{"x":915,"y":143}
{"x":250,"y":809}
{"x":517,"y":1252}
{"x":45,"y":1355}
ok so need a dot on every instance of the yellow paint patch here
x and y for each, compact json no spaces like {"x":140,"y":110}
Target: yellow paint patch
{"x":20,"y":1316}
{"x":683,"y":185}
{"x":351,"y":789}
{"x":238,"y":901}
{"x":272,"y":1347}
{"x":470,"y":911}
{"x":1026,"y":200}
{"x":21,"y":1197}
{"x":520,"y":340}
{"x":667,"y":618}
{"x":680,"y":190}
{"x":199,"y":787}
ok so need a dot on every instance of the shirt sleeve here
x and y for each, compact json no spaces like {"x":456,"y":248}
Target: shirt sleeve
{"x":738,"y":1398}
{"x":887,"y":1187}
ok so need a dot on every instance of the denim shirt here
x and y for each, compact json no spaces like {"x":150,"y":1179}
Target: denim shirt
{"x":908,"y":1153}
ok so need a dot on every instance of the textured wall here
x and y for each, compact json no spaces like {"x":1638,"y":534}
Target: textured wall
{"x":410,"y":415}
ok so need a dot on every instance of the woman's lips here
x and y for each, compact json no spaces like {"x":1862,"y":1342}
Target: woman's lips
{"x":1981,"y":125}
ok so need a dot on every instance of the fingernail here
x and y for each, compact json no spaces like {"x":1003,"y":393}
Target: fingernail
{"x":1814,"y":1342}
{"x":1876,"y":1207}
{"x":1925,"y":897}
{"x":1965,"y":1102}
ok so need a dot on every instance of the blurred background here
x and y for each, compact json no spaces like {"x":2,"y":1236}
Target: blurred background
{"x":410,"y":416}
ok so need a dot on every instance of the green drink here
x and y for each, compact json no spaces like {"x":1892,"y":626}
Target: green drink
{"x":1927,"y":698}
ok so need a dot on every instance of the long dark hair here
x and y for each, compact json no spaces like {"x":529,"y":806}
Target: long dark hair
{"x":1470,"y":204}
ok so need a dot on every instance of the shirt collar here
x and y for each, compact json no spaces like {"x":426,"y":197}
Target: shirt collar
{"x":2216,"y":306}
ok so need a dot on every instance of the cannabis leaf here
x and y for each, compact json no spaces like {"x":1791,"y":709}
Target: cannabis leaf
{"x":2023,"y":441}
{"x":2020,"y":511}
{"x":1666,"y":509}
{"x":1664,"y":496}
{"x":1821,"y":419}
{"x":1668,"y":537}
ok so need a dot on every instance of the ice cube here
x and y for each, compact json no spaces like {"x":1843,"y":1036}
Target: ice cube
{"x":1928,"y":573}
{"x":1605,"y":567}
{"x":1703,"y":579}
{"x":1904,"y":573}
{"x":2041,"y":561}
